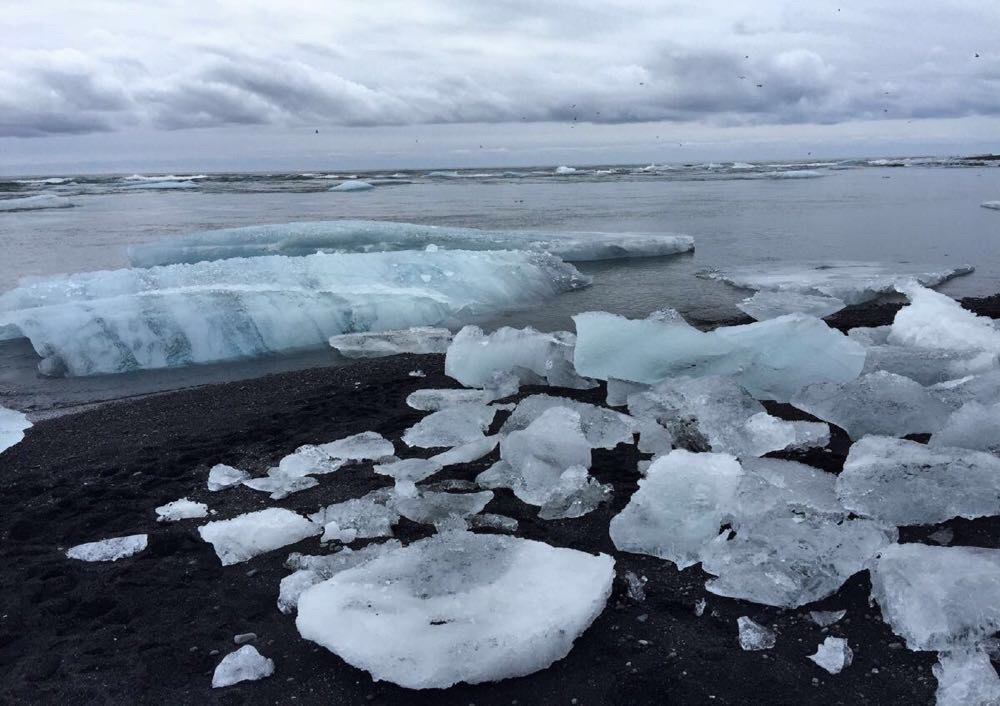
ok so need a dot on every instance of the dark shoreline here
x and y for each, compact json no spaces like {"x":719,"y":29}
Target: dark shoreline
{"x":141,"y":630}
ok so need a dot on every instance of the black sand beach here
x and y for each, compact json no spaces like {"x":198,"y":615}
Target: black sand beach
{"x":152,"y":628}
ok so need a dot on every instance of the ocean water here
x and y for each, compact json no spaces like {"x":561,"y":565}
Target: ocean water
{"x":914,"y":214}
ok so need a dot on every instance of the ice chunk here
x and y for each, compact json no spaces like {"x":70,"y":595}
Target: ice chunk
{"x":355,"y":185}
{"x":311,"y":570}
{"x":769,"y":433}
{"x":435,"y":400}
{"x":412,"y":470}
{"x":443,"y":509}
{"x":245,"y":536}
{"x":109,"y":549}
{"x":852,"y":282}
{"x":788,"y":561}
{"x":280,"y":485}
{"x":936,"y":321}
{"x":995,"y":205}
{"x":833,"y":655}
{"x":678,"y":507}
{"x":467,"y":453}
{"x":619,"y":390}
{"x":245,"y":664}
{"x":451,"y":426}
{"x":826,"y":618}
{"x":771,"y":486}
{"x":244,"y":637}
{"x":972,"y":426}
{"x":565,"y":170}
{"x":221,"y":476}
{"x":34,"y":203}
{"x":939,"y":598}
{"x":574,"y":495}
{"x":928,"y":366}
{"x":458,"y":607}
{"x":876,"y":403}
{"x":984,"y":388}
{"x":419,"y":339}
{"x":492,"y":521}
{"x":368,"y":445}
{"x":12,"y":427}
{"x":603,"y":428}
{"x":906,"y":483}
{"x":182,"y":509}
{"x":635,"y":586}
{"x":770,"y":305}
{"x":308,"y":460}
{"x":966,"y":677}
{"x":754,"y":636}
{"x":107,"y":322}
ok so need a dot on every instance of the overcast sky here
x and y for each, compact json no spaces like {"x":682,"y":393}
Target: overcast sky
{"x":111,"y":85}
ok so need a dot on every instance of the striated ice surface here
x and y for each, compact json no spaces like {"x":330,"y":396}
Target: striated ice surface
{"x":907,"y":483}
{"x":419,"y":339}
{"x":966,"y":677}
{"x":182,"y":509}
{"x":833,"y":655}
{"x":298,"y":239}
{"x":109,"y":549}
{"x":971,"y":426}
{"x":492,"y":521}
{"x":366,"y":446}
{"x":679,"y":506}
{"x":603,"y":428}
{"x":574,"y":495}
{"x":770,"y":305}
{"x":788,"y":561}
{"x":936,"y":321}
{"x":852,"y":282}
{"x":12,"y":427}
{"x":876,"y":403}
{"x":443,"y":509}
{"x":451,"y":426}
{"x":754,"y":636}
{"x":35,"y":203}
{"x":245,"y":536}
{"x":939,"y":598}
{"x":354,"y":185}
{"x":222,"y":476}
{"x":928,"y":366}
{"x":245,"y":664}
{"x":983,"y":388}
{"x":458,"y":607}
{"x":467,"y":453}
{"x":108,"y":322}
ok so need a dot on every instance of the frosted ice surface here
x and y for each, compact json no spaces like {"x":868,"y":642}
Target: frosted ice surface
{"x":279,"y":484}
{"x":12,"y":427}
{"x":852,"y":282}
{"x":928,"y":366}
{"x":409,"y":469}
{"x":983,"y":388}
{"x":443,"y":509}
{"x":467,"y":453}
{"x":833,"y":655}
{"x":619,"y":390}
{"x":772,"y":486}
{"x":936,"y":321}
{"x":346,"y":236}
{"x":754,"y":636}
{"x":109,"y":549}
{"x":788,"y":561}
{"x":307,"y":570}
{"x":368,"y":445}
{"x":419,"y":339}
{"x":770,"y":305}
{"x":575,"y":494}
{"x":355,"y":185}
{"x":939,"y":598}
{"x":308,"y":460}
{"x":245,"y":536}
{"x":429,"y":400}
{"x":458,"y":607}
{"x":115,"y":321}
{"x":876,"y":403}
{"x":769,"y":433}
{"x":678,"y":507}
{"x":907,"y":483}
{"x":221,"y":476}
{"x":182,"y":509}
{"x":603,"y":428}
{"x":245,"y":664}
{"x":966,"y":677}
{"x":34,"y":203}
{"x":451,"y":426}
{"x":972,"y":426}
{"x":826,"y":618}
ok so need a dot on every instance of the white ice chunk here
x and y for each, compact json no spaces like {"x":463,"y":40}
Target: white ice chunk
{"x":928,"y":366}
{"x":34,"y":203}
{"x":984,"y":388}
{"x":678,"y":507}
{"x":833,"y":655}
{"x":754,"y":636}
{"x":311,"y":570}
{"x":467,"y":453}
{"x":575,"y":494}
{"x":972,"y":426}
{"x":434,"y":400}
{"x":280,"y":485}
{"x":308,"y":460}
{"x":770,"y":305}
{"x":458,"y":607}
{"x":619,"y":390}
{"x":109,"y":549}
{"x":771,"y":486}
{"x":419,"y":339}
{"x":354,"y":185}
{"x":966,"y":677}
{"x":245,"y":664}
{"x":451,"y":426}
{"x":603,"y":428}
{"x":412,"y":470}
{"x":936,"y":321}
{"x":368,"y":445}
{"x":939,"y":598}
{"x":907,"y":483}
{"x":182,"y":509}
{"x":995,"y":205}
{"x":222,"y":476}
{"x":443,"y":509}
{"x":12,"y":427}
{"x":245,"y":536}
{"x":768,"y":433}
{"x":826,"y":618}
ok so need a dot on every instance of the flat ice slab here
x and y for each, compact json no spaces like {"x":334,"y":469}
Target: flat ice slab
{"x":34,"y":203}
{"x":356,"y":185}
{"x":245,"y":536}
{"x":754,"y":636}
{"x":419,"y":339}
{"x":109,"y":549}
{"x":966,"y":677}
{"x":245,"y":664}
{"x":12,"y":427}
{"x":458,"y":607}
{"x":366,"y":446}
{"x":770,"y":305}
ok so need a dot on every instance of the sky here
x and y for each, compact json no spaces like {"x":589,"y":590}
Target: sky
{"x":102,"y":85}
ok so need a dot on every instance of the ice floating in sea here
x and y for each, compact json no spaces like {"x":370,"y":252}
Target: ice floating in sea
{"x":972,"y":426}
{"x":419,"y":339}
{"x":833,"y":655}
{"x":458,"y":607}
{"x":12,"y":427}
{"x":161,"y":184}
{"x":296,"y":239}
{"x":182,"y":509}
{"x":34,"y":203}
{"x":938,"y":322}
{"x":355,"y":185}
{"x":994,"y":205}
{"x":851,"y":282}
{"x":939,"y":598}
{"x":906,"y":483}
{"x":794,"y":174}
{"x":245,"y":664}
{"x":966,"y":677}
{"x":565,"y":170}
{"x":366,"y":446}
{"x":451,"y":426}
{"x":222,"y":476}
{"x":770,"y":305}
{"x":245,"y":536}
{"x":603,"y":428}
{"x":109,"y":549}
{"x":106,"y":322}
{"x":754,"y":636}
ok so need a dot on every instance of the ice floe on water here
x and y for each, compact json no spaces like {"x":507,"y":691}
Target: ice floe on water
{"x":373,"y":344}
{"x":245,"y":664}
{"x":352,"y":185}
{"x":109,"y":549}
{"x":770,"y":305}
{"x":12,"y":427}
{"x":457,"y":607}
{"x":993,"y":205}
{"x":306,"y":238}
{"x":37,"y":202}
{"x":245,"y":536}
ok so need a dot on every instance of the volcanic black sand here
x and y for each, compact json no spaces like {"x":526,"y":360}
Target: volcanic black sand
{"x":151,"y":628}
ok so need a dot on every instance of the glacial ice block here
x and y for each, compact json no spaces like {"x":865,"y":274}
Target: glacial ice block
{"x":346,"y":236}
{"x":12,"y":427}
{"x":966,"y":677}
{"x":221,"y":476}
{"x":754,"y":636}
{"x":34,"y":203}
{"x":770,"y":305}
{"x":906,"y":483}
{"x":354,"y":185}
{"x":419,"y":339}
{"x":971,"y":426}
{"x":366,"y":446}
{"x":771,"y":487}
{"x":938,"y":598}
{"x":833,"y":654}
{"x":451,"y":426}
{"x":107,"y":322}
{"x":938,"y":322}
{"x":245,"y":536}
{"x":182,"y":509}
{"x":245,"y":664}
{"x":994,"y":205}
{"x":603,"y":428}
{"x":371,"y":515}
{"x":109,"y":549}
{"x":458,"y":607}
{"x":576,"y":494}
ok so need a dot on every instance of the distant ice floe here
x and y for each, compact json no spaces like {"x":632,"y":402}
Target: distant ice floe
{"x":107,"y":322}
{"x":34,"y":203}
{"x":994,"y":205}
{"x":349,"y":236}
{"x":12,"y":427}
{"x":794,"y":174}
{"x":354,"y":185}
{"x":374,"y":344}
{"x":153,"y":183}
{"x":770,"y":305}
{"x":109,"y":549}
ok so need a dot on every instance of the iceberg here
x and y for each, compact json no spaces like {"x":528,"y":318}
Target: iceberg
{"x":345,"y":236}
{"x":12,"y":427}
{"x":770,"y":305}
{"x":457,"y":607}
{"x":352,"y":186}
{"x":34,"y":203}
{"x":108,"y":322}
{"x":373,"y":344}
